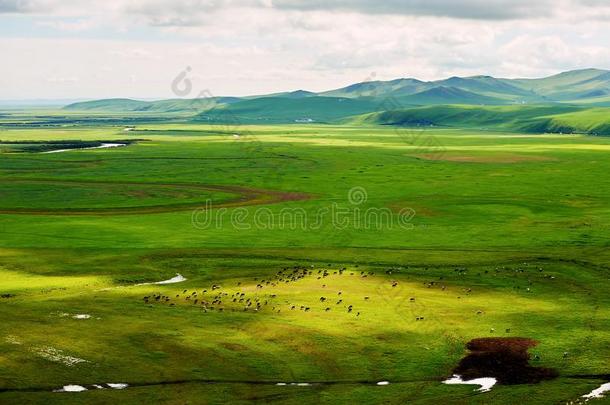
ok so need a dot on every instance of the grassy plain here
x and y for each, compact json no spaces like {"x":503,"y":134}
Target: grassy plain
{"x":509,"y":238}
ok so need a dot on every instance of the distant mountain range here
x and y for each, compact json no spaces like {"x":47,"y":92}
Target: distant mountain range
{"x":577,"y":89}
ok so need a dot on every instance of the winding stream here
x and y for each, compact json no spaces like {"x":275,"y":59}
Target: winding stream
{"x":102,"y":146}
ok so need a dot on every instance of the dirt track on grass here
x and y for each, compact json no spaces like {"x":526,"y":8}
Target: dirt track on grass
{"x":245,"y":196}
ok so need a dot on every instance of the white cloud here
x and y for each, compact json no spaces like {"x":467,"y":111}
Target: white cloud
{"x":69,"y":26}
{"x":237,"y":47}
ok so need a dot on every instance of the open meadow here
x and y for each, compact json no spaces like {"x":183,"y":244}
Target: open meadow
{"x":305,"y":263}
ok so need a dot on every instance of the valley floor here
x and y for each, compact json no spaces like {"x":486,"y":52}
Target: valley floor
{"x":304,"y":264}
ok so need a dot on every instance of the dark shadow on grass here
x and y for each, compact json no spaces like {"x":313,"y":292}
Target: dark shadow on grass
{"x":506,"y":359}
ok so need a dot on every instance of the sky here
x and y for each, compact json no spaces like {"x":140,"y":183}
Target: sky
{"x":150,"y":49}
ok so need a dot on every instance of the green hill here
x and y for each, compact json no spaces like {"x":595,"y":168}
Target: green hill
{"x":449,"y":95}
{"x":287,"y":110}
{"x":587,"y":87}
{"x":171,"y":105}
{"x":568,"y":86}
{"x":529,"y":119}
{"x":491,"y":87}
{"x":111,"y":104}
{"x":398,"y":87}
{"x":292,"y":94}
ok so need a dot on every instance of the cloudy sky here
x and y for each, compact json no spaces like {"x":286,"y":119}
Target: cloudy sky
{"x":70,"y":49}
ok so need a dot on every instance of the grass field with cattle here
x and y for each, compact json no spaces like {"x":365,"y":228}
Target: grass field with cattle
{"x":316,"y":261}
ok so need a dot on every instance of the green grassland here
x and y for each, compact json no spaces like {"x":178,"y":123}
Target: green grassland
{"x":509,"y":237}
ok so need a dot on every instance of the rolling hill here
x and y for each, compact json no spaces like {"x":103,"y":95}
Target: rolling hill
{"x":286,"y":110}
{"x":578,"y":86}
{"x":528,"y":119}
{"x":379,"y":89}
{"x":111,"y":104}
{"x":171,"y":105}
{"x":578,"y":89}
{"x":570,"y":86}
{"x":449,"y":95}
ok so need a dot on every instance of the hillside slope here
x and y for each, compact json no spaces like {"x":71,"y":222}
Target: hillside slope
{"x":449,"y":95}
{"x":287,"y":110}
{"x":586,"y":86}
{"x":111,"y":104}
{"x":529,"y":119}
{"x":170,"y":105}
